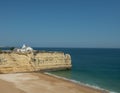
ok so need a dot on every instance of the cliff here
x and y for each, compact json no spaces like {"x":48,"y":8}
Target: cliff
{"x":11,"y":62}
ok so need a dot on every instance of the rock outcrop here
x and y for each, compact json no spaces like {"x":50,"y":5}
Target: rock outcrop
{"x":11,"y":62}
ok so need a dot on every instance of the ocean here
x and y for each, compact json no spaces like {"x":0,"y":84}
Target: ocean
{"x":96,"y":67}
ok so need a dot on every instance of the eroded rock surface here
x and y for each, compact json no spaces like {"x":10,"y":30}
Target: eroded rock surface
{"x":26,"y":62}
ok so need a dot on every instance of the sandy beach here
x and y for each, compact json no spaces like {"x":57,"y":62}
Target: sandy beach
{"x":40,"y":83}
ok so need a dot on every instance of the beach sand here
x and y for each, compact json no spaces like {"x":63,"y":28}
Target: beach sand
{"x":40,"y":83}
{"x":6,"y":87}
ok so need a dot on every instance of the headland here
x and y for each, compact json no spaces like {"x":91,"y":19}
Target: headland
{"x":12,"y":62}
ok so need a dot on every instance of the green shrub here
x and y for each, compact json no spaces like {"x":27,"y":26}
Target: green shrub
{"x":0,"y":50}
{"x":12,"y":48}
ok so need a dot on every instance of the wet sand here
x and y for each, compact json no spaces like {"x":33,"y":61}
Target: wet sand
{"x":40,"y":83}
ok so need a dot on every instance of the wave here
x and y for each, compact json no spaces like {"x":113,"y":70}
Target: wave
{"x":78,"y":82}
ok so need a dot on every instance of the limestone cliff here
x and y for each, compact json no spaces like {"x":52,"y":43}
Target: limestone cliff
{"x":11,"y":62}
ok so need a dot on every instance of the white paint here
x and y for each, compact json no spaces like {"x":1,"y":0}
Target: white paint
{"x":25,"y":49}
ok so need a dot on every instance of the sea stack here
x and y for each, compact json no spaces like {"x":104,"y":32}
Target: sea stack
{"x":28,"y":61}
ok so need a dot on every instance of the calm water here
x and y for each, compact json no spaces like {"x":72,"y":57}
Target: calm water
{"x":96,"y":67}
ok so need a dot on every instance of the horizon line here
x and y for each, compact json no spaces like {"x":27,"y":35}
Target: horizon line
{"x":62,"y":47}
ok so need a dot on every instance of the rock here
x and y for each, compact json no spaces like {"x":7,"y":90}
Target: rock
{"x":39,"y":61}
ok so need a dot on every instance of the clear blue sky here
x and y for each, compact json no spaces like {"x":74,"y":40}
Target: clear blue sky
{"x":60,"y":23}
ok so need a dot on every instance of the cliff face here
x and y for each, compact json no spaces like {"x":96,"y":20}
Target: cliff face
{"x":26,"y":62}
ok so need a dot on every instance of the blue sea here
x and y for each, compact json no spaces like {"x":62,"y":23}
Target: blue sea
{"x":96,"y":67}
{"x":93,"y":66}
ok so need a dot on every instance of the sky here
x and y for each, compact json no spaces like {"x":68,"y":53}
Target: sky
{"x":60,"y":23}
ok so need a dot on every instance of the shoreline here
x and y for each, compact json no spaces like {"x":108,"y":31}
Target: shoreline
{"x":77,"y":82}
{"x":43,"y":83}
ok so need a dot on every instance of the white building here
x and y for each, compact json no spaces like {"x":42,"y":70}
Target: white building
{"x":25,"y":49}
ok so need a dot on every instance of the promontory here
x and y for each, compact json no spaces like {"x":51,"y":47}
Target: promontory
{"x":14,"y":61}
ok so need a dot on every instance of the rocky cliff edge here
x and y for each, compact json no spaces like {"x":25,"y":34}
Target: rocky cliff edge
{"x":11,"y":62}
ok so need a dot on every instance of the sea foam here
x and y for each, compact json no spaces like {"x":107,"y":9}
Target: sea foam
{"x":78,"y":82}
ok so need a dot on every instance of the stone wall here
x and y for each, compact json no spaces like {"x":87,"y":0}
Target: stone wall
{"x":26,"y":62}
